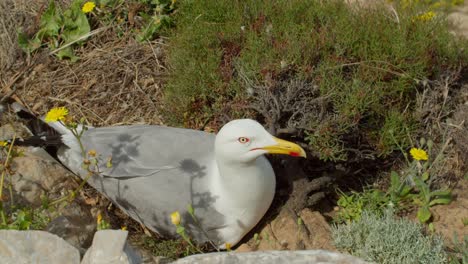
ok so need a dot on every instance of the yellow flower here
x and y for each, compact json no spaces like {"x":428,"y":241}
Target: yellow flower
{"x":56,"y":114}
{"x":228,"y":246}
{"x":175,"y":218}
{"x":426,"y":16}
{"x":123,"y":228}
{"x":92,"y":153}
{"x":99,"y":219}
{"x":88,"y":7}
{"x":3,"y":143}
{"x":418,"y":154}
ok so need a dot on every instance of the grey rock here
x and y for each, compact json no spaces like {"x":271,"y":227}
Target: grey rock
{"x":272,"y":257}
{"x":160,"y":260}
{"x":75,"y":229}
{"x":110,"y":247}
{"x":7,"y":132}
{"x":36,"y":175}
{"x":18,"y":247}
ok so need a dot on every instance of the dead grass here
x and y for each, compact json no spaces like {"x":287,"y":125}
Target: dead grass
{"x":442,"y":107}
{"x":116,"y":81}
{"x":12,"y":14}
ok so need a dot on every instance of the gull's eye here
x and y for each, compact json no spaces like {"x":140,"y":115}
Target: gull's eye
{"x":243,"y":140}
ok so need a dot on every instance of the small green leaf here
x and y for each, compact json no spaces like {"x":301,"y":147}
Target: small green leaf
{"x":67,"y":53}
{"x":180,"y":230}
{"x":445,"y":200}
{"x":76,"y":25}
{"x":422,"y":141}
{"x":425,"y":176}
{"x":394,"y":180}
{"x":26,"y":44}
{"x":190,"y":210}
{"x":424,"y":214}
{"x":109,"y":162}
{"x":299,"y":221}
{"x":50,"y":22}
{"x":441,"y":193}
{"x":430,"y":143}
{"x":431,"y":227}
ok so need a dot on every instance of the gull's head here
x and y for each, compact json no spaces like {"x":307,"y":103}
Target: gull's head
{"x":244,"y":140}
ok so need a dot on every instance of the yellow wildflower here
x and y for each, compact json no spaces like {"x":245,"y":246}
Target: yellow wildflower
{"x":99,"y":219}
{"x":418,"y":154}
{"x":3,"y":143}
{"x":426,"y":16}
{"x":175,"y":218}
{"x":56,"y":114}
{"x":228,"y":246}
{"x":123,"y":228}
{"x":88,"y":7}
{"x":92,"y":153}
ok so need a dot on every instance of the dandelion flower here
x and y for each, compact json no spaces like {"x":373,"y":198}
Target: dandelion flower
{"x":418,"y":154}
{"x":56,"y":114}
{"x":3,"y":143}
{"x":88,"y":7}
{"x":175,"y":218}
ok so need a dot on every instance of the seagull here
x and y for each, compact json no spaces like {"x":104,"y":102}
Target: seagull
{"x":152,"y":171}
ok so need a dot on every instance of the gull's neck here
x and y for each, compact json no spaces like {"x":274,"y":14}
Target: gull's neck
{"x":244,"y":186}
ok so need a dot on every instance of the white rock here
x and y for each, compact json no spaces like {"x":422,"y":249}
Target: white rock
{"x":272,"y":257}
{"x":110,"y":247}
{"x":18,"y":247}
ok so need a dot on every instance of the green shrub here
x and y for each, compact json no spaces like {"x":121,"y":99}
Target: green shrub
{"x":459,"y":253}
{"x":345,"y":76}
{"x":62,"y":29}
{"x":352,"y":205}
{"x":413,"y":188}
{"x":384,"y":239}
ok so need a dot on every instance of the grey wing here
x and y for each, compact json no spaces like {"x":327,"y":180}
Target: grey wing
{"x":156,"y":171}
{"x":140,"y":151}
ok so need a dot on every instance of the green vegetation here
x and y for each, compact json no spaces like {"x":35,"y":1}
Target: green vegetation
{"x":26,"y":218}
{"x":459,"y":254}
{"x":340,"y":74}
{"x":413,"y":188}
{"x":344,"y":78}
{"x":384,"y":239}
{"x":63,"y":30}
{"x":172,"y":249}
{"x":59,"y":30}
{"x":13,"y":216}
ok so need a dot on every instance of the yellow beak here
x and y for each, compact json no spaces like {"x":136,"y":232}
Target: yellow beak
{"x":285,"y":147}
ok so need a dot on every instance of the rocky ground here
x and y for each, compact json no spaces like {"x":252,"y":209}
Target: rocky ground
{"x":37,"y":174}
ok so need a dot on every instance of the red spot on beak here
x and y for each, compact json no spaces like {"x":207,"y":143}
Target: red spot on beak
{"x":294,"y":154}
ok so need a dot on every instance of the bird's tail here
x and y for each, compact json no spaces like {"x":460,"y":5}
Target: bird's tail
{"x":46,"y":135}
